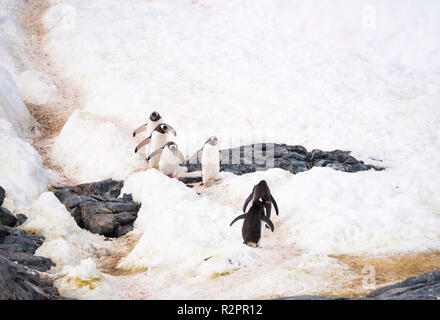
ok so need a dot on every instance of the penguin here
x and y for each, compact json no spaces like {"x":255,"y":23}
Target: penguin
{"x":154,"y":120}
{"x":252,"y":225}
{"x":261,"y":190}
{"x":210,"y":160}
{"x":158,"y":138}
{"x":170,"y":158}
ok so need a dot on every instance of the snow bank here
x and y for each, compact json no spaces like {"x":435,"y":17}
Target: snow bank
{"x":179,"y":228}
{"x":94,"y":150}
{"x":21,"y":170}
{"x":67,"y":245}
{"x":330,"y":212}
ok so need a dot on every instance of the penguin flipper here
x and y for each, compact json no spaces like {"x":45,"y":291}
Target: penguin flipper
{"x":268,"y":222}
{"x":141,"y":128}
{"x":143,"y":143}
{"x":155,"y":153}
{"x":247,"y":201}
{"x":172,"y":130}
{"x":274,"y":204}
{"x":238,"y":218}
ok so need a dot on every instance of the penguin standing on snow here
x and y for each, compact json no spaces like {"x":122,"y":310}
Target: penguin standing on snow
{"x":154,"y":120}
{"x":252,"y":225}
{"x":210,"y":160}
{"x":158,"y":138}
{"x":261,"y":190}
{"x":170,"y":158}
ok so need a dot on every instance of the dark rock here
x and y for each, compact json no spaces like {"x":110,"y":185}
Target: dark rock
{"x":7,"y":218}
{"x":20,"y":283}
{"x":263,"y":156}
{"x":75,"y":200}
{"x":76,"y":214}
{"x":21,"y":218}
{"x":19,"y":246}
{"x":2,"y":196}
{"x":107,"y":187}
{"x":191,"y":180}
{"x":127,"y":197}
{"x":34,"y":262}
{"x":425,"y":286}
{"x":121,"y":230}
{"x":92,"y":208}
{"x":95,"y":207}
{"x":125,"y":218}
{"x":116,"y":207}
{"x":99,"y":223}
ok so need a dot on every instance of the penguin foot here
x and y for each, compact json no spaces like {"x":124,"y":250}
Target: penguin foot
{"x":175,"y":177}
{"x":205,"y":185}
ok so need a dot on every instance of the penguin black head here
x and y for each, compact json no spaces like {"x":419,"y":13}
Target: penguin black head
{"x":213,"y":140}
{"x":164,"y":127}
{"x":155,"y":116}
{"x":172,"y":147}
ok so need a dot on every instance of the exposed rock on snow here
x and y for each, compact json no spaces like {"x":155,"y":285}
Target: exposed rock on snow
{"x":20,"y":283}
{"x":2,"y":195}
{"x":263,"y":156}
{"x":19,"y":246}
{"x":95,"y":207}
{"x":7,"y":218}
{"x":425,"y":286}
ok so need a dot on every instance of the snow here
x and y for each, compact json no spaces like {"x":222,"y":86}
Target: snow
{"x":36,"y":87}
{"x":94,"y":149}
{"x":363,"y":77}
{"x":21,"y":168}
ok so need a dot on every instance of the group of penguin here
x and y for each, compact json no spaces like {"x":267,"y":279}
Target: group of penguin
{"x":164,"y":155}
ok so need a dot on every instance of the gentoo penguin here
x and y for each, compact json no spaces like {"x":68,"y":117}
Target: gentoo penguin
{"x":252,"y":227}
{"x":170,"y":158}
{"x":261,"y":190}
{"x":210,"y":160}
{"x":158,"y":138}
{"x":154,"y":120}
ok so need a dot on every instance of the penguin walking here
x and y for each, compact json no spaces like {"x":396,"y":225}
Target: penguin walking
{"x":210,"y":160}
{"x":154,"y":120}
{"x":252,"y":225}
{"x":170,"y":158}
{"x":261,"y":190}
{"x":158,"y":138}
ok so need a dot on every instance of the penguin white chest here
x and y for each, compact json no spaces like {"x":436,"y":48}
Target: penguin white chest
{"x":150,"y":127}
{"x":168,"y":162}
{"x":210,"y":162}
{"x":158,"y":140}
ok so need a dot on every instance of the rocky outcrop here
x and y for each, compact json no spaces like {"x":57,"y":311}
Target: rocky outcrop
{"x":97,"y":208}
{"x":19,"y":246}
{"x":264,"y":156}
{"x":2,"y":195}
{"x":19,"y":279}
{"x":20,"y":283}
{"x":425,"y":286}
{"x":7,"y":218}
